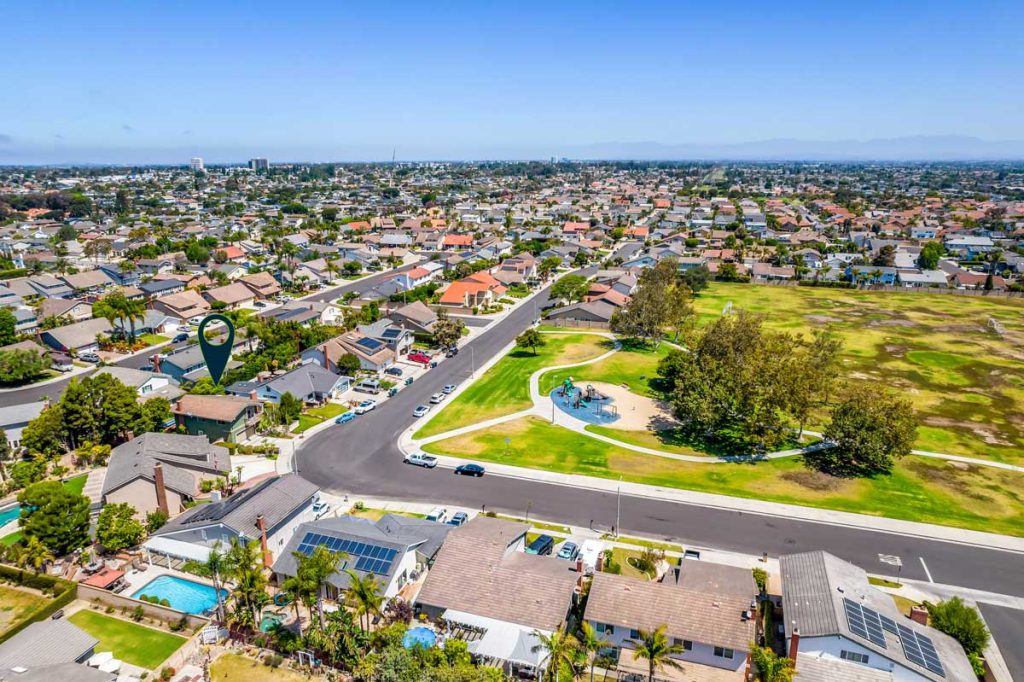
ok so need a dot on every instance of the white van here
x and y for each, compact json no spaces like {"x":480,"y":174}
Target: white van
{"x":368,"y":386}
{"x":439,"y":514}
{"x":589,"y":553}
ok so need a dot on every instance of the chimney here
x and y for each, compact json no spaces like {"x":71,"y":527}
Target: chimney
{"x":156,"y":362}
{"x":130,"y":434}
{"x":161,"y":491}
{"x":252,"y":396}
{"x":261,"y":523}
{"x":919,"y":614}
{"x":579,"y":565}
{"x":794,"y":644}
{"x":600,"y":562}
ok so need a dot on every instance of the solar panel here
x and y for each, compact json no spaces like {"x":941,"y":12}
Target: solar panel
{"x":864,"y":622}
{"x":888,"y":624}
{"x":371,"y":344}
{"x":920,"y":650}
{"x":368,"y":558}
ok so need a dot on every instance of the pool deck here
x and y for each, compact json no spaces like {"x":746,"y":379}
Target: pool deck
{"x":138,"y":579}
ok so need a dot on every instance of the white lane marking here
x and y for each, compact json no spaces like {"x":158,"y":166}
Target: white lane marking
{"x":926,"y":571}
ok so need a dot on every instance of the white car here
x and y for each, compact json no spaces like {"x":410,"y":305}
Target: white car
{"x":421,"y":411}
{"x":366,"y":406}
{"x":448,"y":389}
{"x":436,"y":398}
{"x":320,"y":508}
{"x":421,"y":459}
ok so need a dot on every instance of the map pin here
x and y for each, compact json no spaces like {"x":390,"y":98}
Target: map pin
{"x":216,"y":355}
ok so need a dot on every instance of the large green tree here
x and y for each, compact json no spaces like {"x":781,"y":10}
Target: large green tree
{"x":55,"y":515}
{"x":47,"y":433}
{"x":871,"y":427}
{"x":7,"y":325}
{"x":447,"y":332}
{"x":660,"y":302}
{"x":117,"y":528}
{"x":532,"y":339}
{"x":21,"y":365}
{"x":571,"y":287}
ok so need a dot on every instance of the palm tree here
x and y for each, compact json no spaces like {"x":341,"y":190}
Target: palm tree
{"x":133,"y":310}
{"x":245,"y":560}
{"x":560,"y":649}
{"x":315,"y":569}
{"x":364,"y":595}
{"x":770,"y":666}
{"x":217,"y":563}
{"x":654,"y":647}
{"x":298,"y":590}
{"x":35,"y":554}
{"x":591,"y":643}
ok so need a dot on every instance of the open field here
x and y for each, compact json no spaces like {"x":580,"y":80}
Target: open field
{"x":965,"y":380}
{"x":132,"y":643}
{"x":505,"y":388}
{"x":15,"y":604}
{"x":919,"y":489}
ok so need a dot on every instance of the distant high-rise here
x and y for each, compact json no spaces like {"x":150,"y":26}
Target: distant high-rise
{"x":259,"y":164}
{"x":196,"y":163}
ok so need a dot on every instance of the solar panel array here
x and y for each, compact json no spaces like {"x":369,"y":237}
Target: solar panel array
{"x":369,"y":558}
{"x":392,"y":333}
{"x":371,"y":344}
{"x":919,"y":649}
{"x":868,"y":624}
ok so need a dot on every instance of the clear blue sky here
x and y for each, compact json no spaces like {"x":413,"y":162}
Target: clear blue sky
{"x":141,"y":81}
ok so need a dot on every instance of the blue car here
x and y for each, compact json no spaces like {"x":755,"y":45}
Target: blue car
{"x":347,"y":417}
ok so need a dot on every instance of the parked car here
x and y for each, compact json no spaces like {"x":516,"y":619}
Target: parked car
{"x":451,"y":352}
{"x":542,"y":544}
{"x":89,"y":357}
{"x":458,"y":518}
{"x":346,"y":417}
{"x":469,"y":470}
{"x":421,"y":411}
{"x":436,"y":398}
{"x":183,"y":336}
{"x":320,"y":508}
{"x":569,"y":551}
{"x":368,"y":386}
{"x":408,"y":381}
{"x":421,"y":459}
{"x":394,"y":371}
{"x":259,"y":304}
{"x":417,"y":356}
{"x":439,"y":514}
{"x":448,"y":389}
{"x":366,"y":406}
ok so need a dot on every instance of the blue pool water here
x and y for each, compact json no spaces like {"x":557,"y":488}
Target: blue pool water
{"x":421,"y":636}
{"x":9,"y":514}
{"x":183,"y":595}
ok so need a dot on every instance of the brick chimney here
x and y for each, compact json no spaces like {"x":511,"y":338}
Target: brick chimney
{"x":253,"y":397}
{"x":579,"y":565}
{"x":600,"y":562}
{"x":161,"y":490}
{"x":156,"y":362}
{"x":794,"y":644}
{"x":919,"y":614}
{"x":261,"y":523}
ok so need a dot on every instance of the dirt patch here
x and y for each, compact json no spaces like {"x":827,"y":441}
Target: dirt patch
{"x":893,"y":323}
{"x":986,"y":435}
{"x":822,"y":319}
{"x":958,"y":328}
{"x":814,"y":480}
{"x":895,"y":351}
{"x":954,"y":478}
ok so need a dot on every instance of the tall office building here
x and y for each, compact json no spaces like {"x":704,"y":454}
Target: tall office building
{"x":259,"y":164}
{"x":196,"y":163}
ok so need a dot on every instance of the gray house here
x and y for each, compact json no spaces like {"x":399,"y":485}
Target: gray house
{"x":79,"y":337}
{"x":310,"y":383}
{"x":50,"y":650}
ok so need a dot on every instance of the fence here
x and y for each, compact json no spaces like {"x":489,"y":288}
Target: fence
{"x":577,"y":324}
{"x":892,"y":288}
{"x":117,"y":601}
{"x":39,"y":582}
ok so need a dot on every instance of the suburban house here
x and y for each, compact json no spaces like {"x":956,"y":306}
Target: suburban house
{"x":147,"y":384}
{"x":416,"y":317}
{"x":416,"y":277}
{"x":184,"y":305}
{"x":79,"y":337}
{"x":395,"y":549}
{"x":60,"y":307}
{"x":220,"y":417}
{"x":310,"y":383}
{"x":51,"y":649}
{"x":833,"y":614}
{"x":483,"y":582}
{"x":262,"y":284}
{"x":14,"y":419}
{"x":188,"y":364}
{"x":707,"y":609}
{"x":587,"y":311}
{"x":479,"y":289}
{"x":384,"y":330}
{"x":373,"y":355}
{"x":306,"y":312}
{"x":162,"y":471}
{"x":231,"y":295}
{"x":268,"y":510}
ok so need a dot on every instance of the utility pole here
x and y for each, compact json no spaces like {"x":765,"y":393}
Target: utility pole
{"x":618,"y":506}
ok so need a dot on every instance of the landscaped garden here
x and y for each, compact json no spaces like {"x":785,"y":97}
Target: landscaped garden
{"x":505,"y":387}
{"x":135,"y":644}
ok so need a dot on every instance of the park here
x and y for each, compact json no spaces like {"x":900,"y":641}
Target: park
{"x":941,"y":352}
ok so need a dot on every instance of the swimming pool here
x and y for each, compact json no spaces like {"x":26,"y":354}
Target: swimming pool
{"x":420,"y":636}
{"x":9,"y":514}
{"x":183,"y":595}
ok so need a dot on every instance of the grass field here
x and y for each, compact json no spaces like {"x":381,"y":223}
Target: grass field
{"x":634,"y":366}
{"x":15,"y":604}
{"x":153,"y":339}
{"x":236,"y":668}
{"x":505,"y":388}
{"x":964,"y":379}
{"x":76,"y":484}
{"x":919,"y":489}
{"x":132,"y":643}
{"x":328,"y":411}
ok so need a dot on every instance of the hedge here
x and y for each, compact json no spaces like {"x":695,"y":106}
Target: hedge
{"x":39,"y":582}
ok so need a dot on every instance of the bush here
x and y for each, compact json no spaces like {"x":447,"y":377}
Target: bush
{"x":167,"y":673}
{"x":138,"y":613}
{"x":109,"y":609}
{"x":165,"y":602}
{"x":273,"y":660}
{"x":761,"y":579}
{"x":961,"y":622}
{"x":180,"y":624}
{"x":977,"y":664}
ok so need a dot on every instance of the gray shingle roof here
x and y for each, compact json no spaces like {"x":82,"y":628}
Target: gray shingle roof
{"x":305,"y":380}
{"x":180,"y":455}
{"x":47,"y":642}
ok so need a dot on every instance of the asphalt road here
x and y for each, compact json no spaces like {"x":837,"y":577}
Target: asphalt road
{"x":53,"y":390}
{"x":361,"y":458}
{"x":1007,"y":628}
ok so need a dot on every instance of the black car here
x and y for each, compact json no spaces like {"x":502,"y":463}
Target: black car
{"x":394,"y":371}
{"x":180,"y":337}
{"x":469,"y":470}
{"x":542,"y":544}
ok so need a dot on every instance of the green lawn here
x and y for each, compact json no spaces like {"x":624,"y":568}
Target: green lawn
{"x":16,"y":604}
{"x":634,"y":366}
{"x":76,"y":484}
{"x":919,"y":489}
{"x":306,"y":422}
{"x":132,"y":643}
{"x":373,"y":514}
{"x":12,"y":538}
{"x":664,"y":546}
{"x":622,"y":557}
{"x":328,"y":411}
{"x":153,"y":339}
{"x":965,"y":380}
{"x":505,"y":388}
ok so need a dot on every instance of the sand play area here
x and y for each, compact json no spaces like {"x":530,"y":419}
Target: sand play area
{"x":636,"y":412}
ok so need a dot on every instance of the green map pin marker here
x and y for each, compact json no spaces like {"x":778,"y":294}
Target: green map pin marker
{"x":216,"y":355}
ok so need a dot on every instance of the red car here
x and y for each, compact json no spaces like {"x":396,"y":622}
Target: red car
{"x":419,"y":357}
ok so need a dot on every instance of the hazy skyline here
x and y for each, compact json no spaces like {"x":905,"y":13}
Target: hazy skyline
{"x":125,"y":83}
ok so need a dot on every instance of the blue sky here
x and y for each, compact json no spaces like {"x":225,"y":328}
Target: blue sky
{"x":159,"y":82}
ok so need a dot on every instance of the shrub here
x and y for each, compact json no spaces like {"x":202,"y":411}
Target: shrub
{"x":359,"y":506}
{"x":167,"y":673}
{"x":138,"y":613}
{"x":961,"y":622}
{"x":180,"y":624}
{"x":109,"y":609}
{"x":761,"y":579}
{"x":165,"y":602}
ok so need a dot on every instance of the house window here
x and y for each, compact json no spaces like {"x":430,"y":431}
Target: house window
{"x":722,"y":652}
{"x":605,"y":629}
{"x":686,"y":644}
{"x":634,"y":634}
{"x":853,"y":656}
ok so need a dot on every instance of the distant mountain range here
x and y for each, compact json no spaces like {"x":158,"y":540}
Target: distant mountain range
{"x":917,"y":148}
